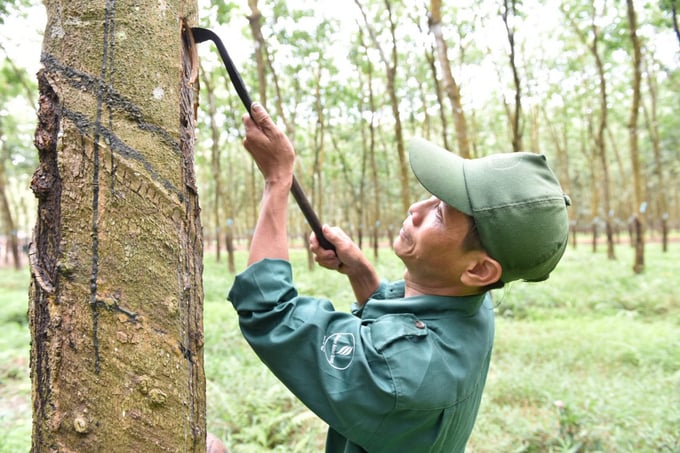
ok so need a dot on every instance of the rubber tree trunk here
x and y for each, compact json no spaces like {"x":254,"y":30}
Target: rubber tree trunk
{"x":215,"y":160}
{"x":599,"y":134}
{"x":116,"y":260}
{"x":640,"y":203}
{"x":515,"y":117}
{"x":451,"y":87}
{"x":6,"y":218}
{"x":391,"y":64}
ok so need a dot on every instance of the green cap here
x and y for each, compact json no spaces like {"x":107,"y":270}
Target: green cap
{"x":515,"y":199}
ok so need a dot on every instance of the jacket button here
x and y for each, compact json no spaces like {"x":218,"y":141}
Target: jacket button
{"x":420,"y":324}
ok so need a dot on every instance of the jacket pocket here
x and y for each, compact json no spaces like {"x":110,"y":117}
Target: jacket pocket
{"x":389,"y":328}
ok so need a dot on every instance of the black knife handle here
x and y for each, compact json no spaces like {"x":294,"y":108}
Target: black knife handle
{"x":203,"y":34}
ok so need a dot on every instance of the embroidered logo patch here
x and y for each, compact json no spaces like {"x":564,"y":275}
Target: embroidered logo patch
{"x":339,"y":350}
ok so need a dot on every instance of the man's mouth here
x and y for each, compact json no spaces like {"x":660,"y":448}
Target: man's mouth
{"x":404,"y":235}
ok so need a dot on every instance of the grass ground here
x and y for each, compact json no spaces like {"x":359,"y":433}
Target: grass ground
{"x":586,"y":361}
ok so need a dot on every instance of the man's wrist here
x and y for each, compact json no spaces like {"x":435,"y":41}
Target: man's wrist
{"x":278,"y":183}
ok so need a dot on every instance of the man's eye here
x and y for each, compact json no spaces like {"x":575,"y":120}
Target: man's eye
{"x":438,"y":211}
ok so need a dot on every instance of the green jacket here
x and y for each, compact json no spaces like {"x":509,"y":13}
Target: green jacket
{"x":399,"y":374}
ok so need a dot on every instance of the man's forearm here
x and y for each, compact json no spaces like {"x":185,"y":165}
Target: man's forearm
{"x":270,"y":238}
{"x":364,"y":282}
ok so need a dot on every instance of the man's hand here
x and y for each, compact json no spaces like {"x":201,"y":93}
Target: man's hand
{"x":269,"y":146}
{"x":347,"y":256}
{"x":275,"y":157}
{"x":347,"y":259}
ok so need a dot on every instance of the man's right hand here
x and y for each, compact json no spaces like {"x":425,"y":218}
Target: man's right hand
{"x":346,"y":256}
{"x":347,"y":259}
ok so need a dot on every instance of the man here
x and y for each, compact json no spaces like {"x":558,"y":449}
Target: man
{"x":404,"y":372}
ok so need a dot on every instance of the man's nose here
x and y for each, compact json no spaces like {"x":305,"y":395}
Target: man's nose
{"x":417,"y":209}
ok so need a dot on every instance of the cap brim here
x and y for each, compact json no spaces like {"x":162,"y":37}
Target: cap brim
{"x":440,"y":172}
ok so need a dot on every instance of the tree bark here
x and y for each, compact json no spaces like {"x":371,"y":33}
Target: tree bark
{"x":215,"y":161}
{"x":598,"y":136}
{"x":593,"y":178}
{"x":653,"y":127}
{"x":516,"y":125}
{"x":373,"y":217}
{"x":10,"y":227}
{"x":640,"y":204}
{"x":429,"y":56}
{"x":600,"y":145}
{"x":376,"y":212}
{"x":674,"y":17}
{"x":255,"y":21}
{"x":9,"y":230}
{"x":116,"y":259}
{"x":391,"y":73}
{"x":450,"y":86}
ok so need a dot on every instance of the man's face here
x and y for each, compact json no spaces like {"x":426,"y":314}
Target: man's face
{"x":430,"y":242}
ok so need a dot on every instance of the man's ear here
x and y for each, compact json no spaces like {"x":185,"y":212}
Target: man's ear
{"x":482,"y":271}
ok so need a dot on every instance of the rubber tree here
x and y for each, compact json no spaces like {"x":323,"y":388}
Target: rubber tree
{"x":116,"y":296}
{"x":391,"y":63}
{"x":374,"y":199}
{"x":674,"y":18}
{"x":651,"y":120}
{"x":599,"y":134}
{"x":16,"y":84}
{"x":215,"y":158}
{"x":509,"y":14}
{"x":451,"y":87}
{"x":7,"y":223}
{"x":639,"y":218}
{"x":598,"y":122}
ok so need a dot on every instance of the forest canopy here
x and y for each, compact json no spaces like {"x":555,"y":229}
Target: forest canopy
{"x":351,"y":82}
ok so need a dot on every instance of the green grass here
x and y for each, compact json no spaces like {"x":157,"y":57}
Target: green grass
{"x":15,"y":382}
{"x":586,"y":361}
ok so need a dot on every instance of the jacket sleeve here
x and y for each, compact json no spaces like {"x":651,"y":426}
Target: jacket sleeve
{"x":326,"y":358}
